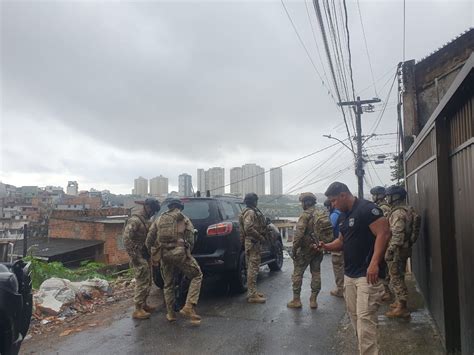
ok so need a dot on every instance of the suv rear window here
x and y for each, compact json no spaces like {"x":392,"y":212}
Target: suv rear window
{"x":197,"y":209}
{"x":194,"y":209}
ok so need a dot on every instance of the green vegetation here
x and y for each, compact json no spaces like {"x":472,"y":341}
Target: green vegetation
{"x":41,"y":271}
{"x":398,"y":171}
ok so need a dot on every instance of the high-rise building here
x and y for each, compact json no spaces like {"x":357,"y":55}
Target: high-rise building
{"x":72,"y":188}
{"x":159,"y":186}
{"x":253,"y":177}
{"x":185,"y":185}
{"x":212,"y":180}
{"x":141,"y":186}
{"x":236,"y":181}
{"x":276,"y":181}
{"x":201,"y":181}
{"x":216,"y":180}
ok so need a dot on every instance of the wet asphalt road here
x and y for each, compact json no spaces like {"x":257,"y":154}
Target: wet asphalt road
{"x":229,"y":325}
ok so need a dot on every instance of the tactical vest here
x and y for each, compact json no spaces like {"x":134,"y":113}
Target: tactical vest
{"x":412,"y":225}
{"x":322,"y":227}
{"x":168,"y":227}
{"x":260,"y":220}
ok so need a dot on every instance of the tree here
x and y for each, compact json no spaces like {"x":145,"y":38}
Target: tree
{"x":398,"y":171}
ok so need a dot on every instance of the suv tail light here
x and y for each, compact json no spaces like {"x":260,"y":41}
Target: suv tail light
{"x":219,"y":229}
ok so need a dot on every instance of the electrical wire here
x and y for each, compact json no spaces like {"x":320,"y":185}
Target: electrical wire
{"x":366,"y":48}
{"x":379,"y":119}
{"x":317,"y":46}
{"x":331,"y":65}
{"x":280,"y":166}
{"x":306,"y":49}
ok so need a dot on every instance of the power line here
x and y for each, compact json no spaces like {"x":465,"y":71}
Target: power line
{"x":349,"y":50}
{"x":316,"y":43}
{"x":376,"y":124}
{"x":378,"y":79}
{"x":280,"y":166}
{"x":331,"y":66}
{"x":366,"y":48}
{"x":305,"y":49}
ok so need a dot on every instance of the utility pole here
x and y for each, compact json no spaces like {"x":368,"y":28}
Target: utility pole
{"x":357,"y":106}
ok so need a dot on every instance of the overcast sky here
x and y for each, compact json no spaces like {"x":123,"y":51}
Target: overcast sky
{"x":103,"y":91}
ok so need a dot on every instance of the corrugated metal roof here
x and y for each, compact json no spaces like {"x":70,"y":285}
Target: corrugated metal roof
{"x":47,"y":247}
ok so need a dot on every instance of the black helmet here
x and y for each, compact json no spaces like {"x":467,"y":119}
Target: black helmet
{"x":251,"y":199}
{"x":378,"y":190}
{"x":396,"y":190}
{"x":153,"y":203}
{"x":175,"y":202}
{"x":327,"y":204}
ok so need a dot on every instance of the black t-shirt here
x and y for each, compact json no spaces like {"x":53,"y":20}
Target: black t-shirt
{"x":359,"y":240}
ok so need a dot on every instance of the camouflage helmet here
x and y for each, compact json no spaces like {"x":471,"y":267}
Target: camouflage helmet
{"x":396,"y":190}
{"x":307,"y":196}
{"x":153,"y":204}
{"x":378,"y":190}
{"x":251,"y":198}
{"x":175,"y":202}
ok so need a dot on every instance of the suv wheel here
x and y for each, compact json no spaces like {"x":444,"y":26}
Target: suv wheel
{"x":238,"y":278}
{"x":278,"y":263}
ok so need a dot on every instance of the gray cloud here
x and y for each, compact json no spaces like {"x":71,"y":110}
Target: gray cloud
{"x":165,"y":87}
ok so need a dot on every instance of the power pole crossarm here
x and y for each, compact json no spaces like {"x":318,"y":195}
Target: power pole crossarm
{"x":357,"y":106}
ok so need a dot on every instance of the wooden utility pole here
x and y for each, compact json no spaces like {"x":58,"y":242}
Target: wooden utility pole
{"x":357,"y":106}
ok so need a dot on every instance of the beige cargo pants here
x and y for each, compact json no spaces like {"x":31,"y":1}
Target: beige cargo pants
{"x":362,"y":301}
{"x":338,"y":268}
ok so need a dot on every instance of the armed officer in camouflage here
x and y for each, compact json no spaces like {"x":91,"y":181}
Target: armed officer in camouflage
{"x":171,"y":240}
{"x":379,"y":197}
{"x":312,"y":227}
{"x":252,"y":233}
{"x":135,"y":232}
{"x":404,"y":223}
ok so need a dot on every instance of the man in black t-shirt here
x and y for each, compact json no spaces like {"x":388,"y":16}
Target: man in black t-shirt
{"x":363,"y":236}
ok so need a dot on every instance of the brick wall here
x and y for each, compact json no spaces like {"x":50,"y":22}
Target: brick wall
{"x":89,"y":230}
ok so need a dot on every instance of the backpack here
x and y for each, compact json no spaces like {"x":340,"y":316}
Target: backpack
{"x":413,"y":225}
{"x":167,"y":226}
{"x":322,"y":227}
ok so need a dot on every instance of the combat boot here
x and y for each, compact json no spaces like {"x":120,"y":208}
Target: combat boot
{"x":401,"y":311}
{"x":149,"y":309}
{"x":140,"y":313}
{"x":189,"y":312}
{"x":256,"y":299}
{"x":171,"y":316}
{"x":295,"y":302}
{"x":337,"y":293}
{"x":312,"y":301}
{"x":394,"y":305}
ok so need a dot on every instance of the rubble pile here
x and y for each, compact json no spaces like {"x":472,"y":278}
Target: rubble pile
{"x":60,"y":301}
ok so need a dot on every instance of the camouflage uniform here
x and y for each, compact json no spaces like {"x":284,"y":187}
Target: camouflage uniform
{"x":252,"y":232}
{"x":399,"y":249}
{"x":303,"y":255}
{"x":173,"y":253}
{"x":385,"y":207}
{"x":135,"y":233}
